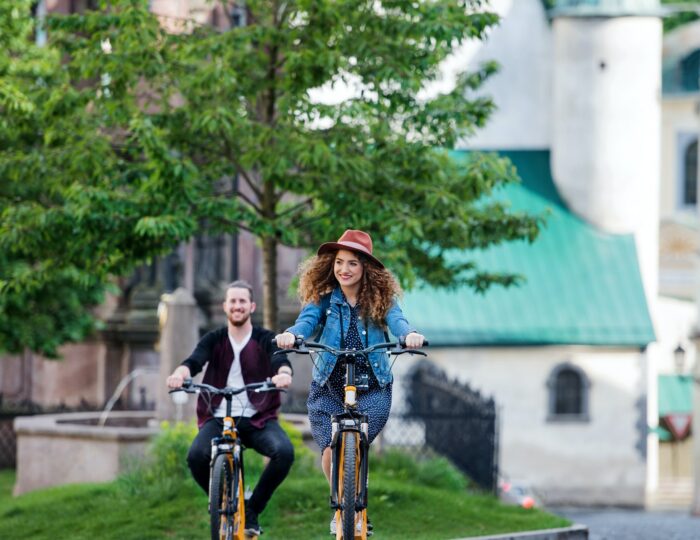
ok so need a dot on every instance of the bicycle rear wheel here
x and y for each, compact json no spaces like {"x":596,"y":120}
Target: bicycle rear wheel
{"x":348,"y":485}
{"x":226,"y":510}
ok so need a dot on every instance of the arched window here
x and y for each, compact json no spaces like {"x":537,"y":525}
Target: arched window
{"x":690,"y":174}
{"x":568,"y":394}
{"x":690,"y":71}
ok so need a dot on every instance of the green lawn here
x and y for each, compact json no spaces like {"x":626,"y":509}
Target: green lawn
{"x":407,"y":500}
{"x":299,"y":511}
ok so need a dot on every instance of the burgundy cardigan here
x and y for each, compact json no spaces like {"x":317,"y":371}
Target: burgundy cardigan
{"x":257,"y":365}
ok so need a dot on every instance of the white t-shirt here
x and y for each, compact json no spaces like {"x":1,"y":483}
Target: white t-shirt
{"x":240,"y":404}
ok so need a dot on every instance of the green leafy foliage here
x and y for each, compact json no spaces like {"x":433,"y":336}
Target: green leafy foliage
{"x":123,"y":138}
{"x":681,"y":17}
{"x":435,"y":472}
{"x":164,"y":469}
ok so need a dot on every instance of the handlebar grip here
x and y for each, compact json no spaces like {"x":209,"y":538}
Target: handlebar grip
{"x":186,"y":385}
{"x":298,"y":340}
{"x":402,"y":342}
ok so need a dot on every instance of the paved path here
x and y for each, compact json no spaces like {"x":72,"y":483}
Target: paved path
{"x":623,"y":524}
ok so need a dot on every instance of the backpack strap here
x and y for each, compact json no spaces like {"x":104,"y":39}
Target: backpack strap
{"x":325,"y":305}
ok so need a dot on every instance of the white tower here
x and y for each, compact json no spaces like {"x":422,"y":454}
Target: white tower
{"x":607,"y":116}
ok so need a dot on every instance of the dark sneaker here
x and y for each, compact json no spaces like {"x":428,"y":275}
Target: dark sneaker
{"x":252,"y":528}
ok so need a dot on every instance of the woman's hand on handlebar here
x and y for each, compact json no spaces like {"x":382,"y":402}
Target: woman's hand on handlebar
{"x":414,"y":340}
{"x":285,"y":340}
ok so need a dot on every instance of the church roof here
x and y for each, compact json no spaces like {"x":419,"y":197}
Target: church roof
{"x":582,"y":286}
{"x":597,"y":8}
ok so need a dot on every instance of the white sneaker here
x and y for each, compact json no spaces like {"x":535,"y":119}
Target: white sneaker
{"x":334,"y":527}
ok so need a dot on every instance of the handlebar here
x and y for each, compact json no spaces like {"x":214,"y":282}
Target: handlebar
{"x":305,"y":347}
{"x":191,"y":387}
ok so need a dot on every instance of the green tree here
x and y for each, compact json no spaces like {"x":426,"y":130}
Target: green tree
{"x":146,"y":137}
{"x":42,"y":298}
{"x":684,"y":12}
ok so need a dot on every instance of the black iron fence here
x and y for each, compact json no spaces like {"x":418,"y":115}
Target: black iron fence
{"x":438,"y":417}
{"x":8,"y":443}
{"x":459,"y":423}
{"x":8,"y":438}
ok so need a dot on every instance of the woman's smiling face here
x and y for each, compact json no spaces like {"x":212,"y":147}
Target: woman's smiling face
{"x":347,"y":268}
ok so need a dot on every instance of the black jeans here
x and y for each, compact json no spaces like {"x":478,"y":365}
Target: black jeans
{"x":270,"y":441}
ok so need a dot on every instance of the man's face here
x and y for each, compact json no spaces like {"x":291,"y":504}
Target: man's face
{"x":238,"y":306}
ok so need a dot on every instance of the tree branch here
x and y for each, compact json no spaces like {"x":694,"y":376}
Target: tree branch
{"x":242,"y":171}
{"x":307,"y":221}
{"x":250,"y":202}
{"x":295,"y":208}
{"x":235,"y":224}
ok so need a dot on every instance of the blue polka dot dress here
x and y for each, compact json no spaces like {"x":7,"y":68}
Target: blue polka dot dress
{"x":326,"y":399}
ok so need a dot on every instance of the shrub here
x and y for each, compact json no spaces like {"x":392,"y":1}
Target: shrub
{"x":435,"y":472}
{"x":303,"y":457}
{"x":164,"y":470}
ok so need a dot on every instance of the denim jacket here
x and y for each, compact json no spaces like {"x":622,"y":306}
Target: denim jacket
{"x":310,"y":317}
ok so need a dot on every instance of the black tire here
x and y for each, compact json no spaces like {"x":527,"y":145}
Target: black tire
{"x":349,"y":472}
{"x":220,"y":499}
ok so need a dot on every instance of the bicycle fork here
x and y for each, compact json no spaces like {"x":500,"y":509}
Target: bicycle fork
{"x":340,"y":424}
{"x":227,"y":446}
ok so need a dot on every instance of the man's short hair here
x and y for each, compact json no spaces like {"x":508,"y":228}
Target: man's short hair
{"x":241,"y":284}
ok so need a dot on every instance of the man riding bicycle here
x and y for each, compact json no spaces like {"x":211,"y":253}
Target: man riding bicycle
{"x":238,"y":354}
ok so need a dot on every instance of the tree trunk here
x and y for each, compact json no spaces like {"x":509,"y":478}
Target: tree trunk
{"x":269,"y":246}
{"x":270,"y":283}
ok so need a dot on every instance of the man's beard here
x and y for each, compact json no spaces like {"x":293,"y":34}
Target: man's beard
{"x":239,"y":322}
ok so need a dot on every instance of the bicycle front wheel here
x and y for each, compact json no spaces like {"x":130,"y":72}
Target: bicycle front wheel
{"x":226,"y":509}
{"x":349,"y":471}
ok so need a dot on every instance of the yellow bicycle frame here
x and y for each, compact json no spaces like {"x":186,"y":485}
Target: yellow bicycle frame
{"x":360,"y":517}
{"x":230,"y":433}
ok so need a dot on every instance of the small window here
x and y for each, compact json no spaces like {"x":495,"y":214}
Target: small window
{"x":690,"y":174}
{"x":568,"y":394}
{"x":690,"y":71}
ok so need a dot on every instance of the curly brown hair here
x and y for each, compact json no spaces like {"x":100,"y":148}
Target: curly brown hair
{"x":378,"y":287}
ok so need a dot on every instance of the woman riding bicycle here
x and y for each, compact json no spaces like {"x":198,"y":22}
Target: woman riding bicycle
{"x":345,"y":288}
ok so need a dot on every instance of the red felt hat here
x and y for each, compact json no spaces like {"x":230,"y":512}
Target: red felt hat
{"x":353,"y":240}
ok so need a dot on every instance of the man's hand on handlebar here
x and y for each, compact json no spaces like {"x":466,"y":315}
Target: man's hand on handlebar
{"x":283,"y":379}
{"x":285,"y":340}
{"x":178,"y":376}
{"x":414,"y":340}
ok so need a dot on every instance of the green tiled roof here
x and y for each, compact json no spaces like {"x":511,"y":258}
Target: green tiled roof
{"x":582,"y":286}
{"x":675,"y":394}
{"x":605,"y":7}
